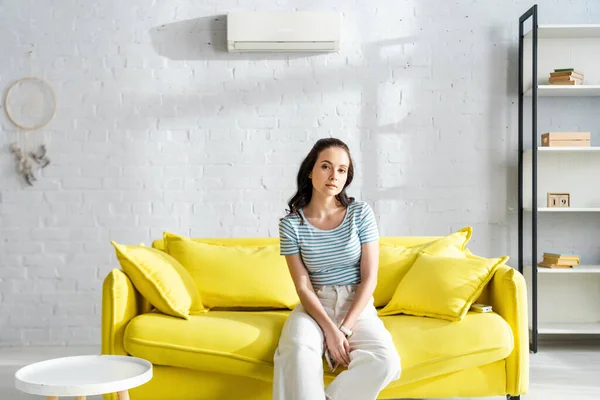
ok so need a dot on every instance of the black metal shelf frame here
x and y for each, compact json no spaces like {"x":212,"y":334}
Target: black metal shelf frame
{"x":531,"y":13}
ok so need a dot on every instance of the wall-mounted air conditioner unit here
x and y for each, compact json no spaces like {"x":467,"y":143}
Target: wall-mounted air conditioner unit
{"x":284,"y":31}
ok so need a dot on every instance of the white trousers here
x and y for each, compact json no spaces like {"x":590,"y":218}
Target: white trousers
{"x":374,"y":361}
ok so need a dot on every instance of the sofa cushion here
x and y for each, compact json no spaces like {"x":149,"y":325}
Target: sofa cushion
{"x":247,"y":241}
{"x":442,"y":287}
{"x":430,"y":347}
{"x":162,"y":280}
{"x":234,"y":342}
{"x":236,"y":276}
{"x":396,"y":260}
{"x":244,"y":342}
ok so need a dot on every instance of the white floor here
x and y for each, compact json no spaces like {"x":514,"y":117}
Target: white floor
{"x":559,"y":371}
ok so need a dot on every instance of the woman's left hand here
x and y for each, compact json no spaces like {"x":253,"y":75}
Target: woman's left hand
{"x":347,"y":347}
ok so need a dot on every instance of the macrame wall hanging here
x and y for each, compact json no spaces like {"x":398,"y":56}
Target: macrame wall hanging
{"x":30,"y":104}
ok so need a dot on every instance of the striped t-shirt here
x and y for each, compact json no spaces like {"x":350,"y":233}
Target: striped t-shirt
{"x":332,"y":257}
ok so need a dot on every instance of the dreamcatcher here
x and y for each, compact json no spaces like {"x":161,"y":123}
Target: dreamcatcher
{"x":30,"y":105}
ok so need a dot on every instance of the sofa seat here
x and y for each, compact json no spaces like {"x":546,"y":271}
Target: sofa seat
{"x":432,"y":347}
{"x":243,"y":343}
{"x":233,"y":342}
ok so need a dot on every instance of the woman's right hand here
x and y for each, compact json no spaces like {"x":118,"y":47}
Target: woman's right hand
{"x":338,"y":346}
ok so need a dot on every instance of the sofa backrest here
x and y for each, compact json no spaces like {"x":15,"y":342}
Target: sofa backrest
{"x":258,"y":241}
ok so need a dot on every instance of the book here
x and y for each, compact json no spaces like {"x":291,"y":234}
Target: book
{"x":566,"y":74}
{"x":558,"y":261}
{"x":564,"y":79}
{"x":562,"y":260}
{"x":566,"y":83}
{"x":547,"y":265}
{"x":574,"y":256}
{"x":564,"y":69}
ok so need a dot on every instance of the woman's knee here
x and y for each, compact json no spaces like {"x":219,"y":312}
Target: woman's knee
{"x":299,"y":351}
{"x":301,"y":332}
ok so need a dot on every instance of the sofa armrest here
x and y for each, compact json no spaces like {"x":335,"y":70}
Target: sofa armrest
{"x":120,"y":303}
{"x":508,"y":297}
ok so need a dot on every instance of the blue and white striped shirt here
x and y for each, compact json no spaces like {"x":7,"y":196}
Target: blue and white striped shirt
{"x":332,"y":257}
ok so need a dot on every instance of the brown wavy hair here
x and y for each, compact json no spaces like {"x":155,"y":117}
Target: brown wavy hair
{"x":305,"y":188}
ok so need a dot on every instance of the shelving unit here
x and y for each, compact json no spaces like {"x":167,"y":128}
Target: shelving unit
{"x":568,"y":299}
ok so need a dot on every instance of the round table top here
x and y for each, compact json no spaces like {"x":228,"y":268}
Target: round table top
{"x":83,"y":375}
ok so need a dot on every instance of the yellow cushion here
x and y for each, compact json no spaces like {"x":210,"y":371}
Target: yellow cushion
{"x":236,"y":276}
{"x":233,"y":342}
{"x":442,"y":286}
{"x":244,"y":342}
{"x":431,"y":347}
{"x":395,"y":261}
{"x":160,"y":279}
{"x":249,"y":242}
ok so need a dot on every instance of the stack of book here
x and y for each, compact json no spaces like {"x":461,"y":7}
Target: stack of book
{"x":553,"y":260}
{"x":566,"y":76}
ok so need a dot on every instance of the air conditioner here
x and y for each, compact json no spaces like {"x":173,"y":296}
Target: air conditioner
{"x":284,"y":31}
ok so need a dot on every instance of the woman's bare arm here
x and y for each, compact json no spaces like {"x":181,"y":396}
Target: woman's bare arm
{"x":307,"y":294}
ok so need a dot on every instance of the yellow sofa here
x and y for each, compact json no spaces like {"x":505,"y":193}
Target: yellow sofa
{"x":225,"y":355}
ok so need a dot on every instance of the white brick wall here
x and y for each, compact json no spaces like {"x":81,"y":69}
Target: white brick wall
{"x":158,"y":129}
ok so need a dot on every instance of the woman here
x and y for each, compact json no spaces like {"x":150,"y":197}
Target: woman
{"x":331,"y":245}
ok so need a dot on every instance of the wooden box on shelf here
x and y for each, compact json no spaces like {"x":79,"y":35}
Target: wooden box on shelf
{"x":566,"y":139}
{"x":558,"y":200}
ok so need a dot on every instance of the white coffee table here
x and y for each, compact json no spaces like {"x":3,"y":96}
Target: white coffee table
{"x":82,"y":376}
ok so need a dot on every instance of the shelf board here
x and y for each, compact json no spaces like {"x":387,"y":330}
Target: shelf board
{"x":565,"y":209}
{"x":565,"y":328}
{"x":579,"y":269}
{"x":562,"y":150}
{"x":566,"y":32}
{"x":566,"y":91}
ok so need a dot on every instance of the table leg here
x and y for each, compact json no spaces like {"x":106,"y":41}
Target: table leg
{"x":51,"y":398}
{"x":124,"y":395}
{"x":80,"y":397}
